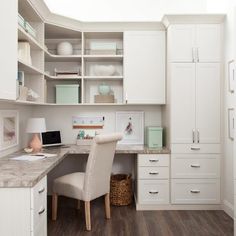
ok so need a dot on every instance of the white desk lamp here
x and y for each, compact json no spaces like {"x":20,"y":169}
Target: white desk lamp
{"x":36,"y":126}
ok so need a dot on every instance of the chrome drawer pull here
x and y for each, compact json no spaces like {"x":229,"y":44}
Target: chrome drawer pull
{"x":42,"y":211}
{"x":153,"y":173}
{"x":195,"y":166}
{"x":195,"y":148}
{"x":195,"y":191}
{"x":153,"y":192}
{"x":153,"y":160}
{"x":41,"y":190}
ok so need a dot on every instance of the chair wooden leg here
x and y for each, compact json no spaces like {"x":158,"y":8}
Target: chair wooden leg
{"x":107,"y":206}
{"x":54,"y":206}
{"x":78,"y":204}
{"x":87,"y":215}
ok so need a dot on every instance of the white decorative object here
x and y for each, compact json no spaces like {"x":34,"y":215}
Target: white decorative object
{"x":104,"y":70}
{"x":32,"y":95}
{"x":64,"y":48}
{"x":231,"y":123}
{"x":231,"y":75}
{"x":131,"y":124}
{"x":9,"y":129}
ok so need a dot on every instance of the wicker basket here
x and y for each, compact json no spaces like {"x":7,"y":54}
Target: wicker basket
{"x":121,"y":190}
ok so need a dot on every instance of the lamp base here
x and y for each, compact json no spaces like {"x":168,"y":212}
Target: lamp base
{"x":35,"y":143}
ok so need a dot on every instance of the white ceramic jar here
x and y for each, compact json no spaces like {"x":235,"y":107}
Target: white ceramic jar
{"x":64,"y":48}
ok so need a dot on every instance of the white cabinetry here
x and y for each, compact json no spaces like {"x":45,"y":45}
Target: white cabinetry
{"x":194,"y":72}
{"x":144,"y":67}
{"x":195,"y":111}
{"x":8,"y":49}
{"x":30,"y":210}
{"x":194,"y":43}
{"x":153,"y":179}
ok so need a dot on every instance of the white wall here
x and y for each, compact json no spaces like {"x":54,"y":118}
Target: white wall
{"x":124,"y":10}
{"x":24,"y":113}
{"x":227,"y":6}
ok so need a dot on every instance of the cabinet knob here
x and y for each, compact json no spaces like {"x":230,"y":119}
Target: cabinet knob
{"x":41,"y":211}
{"x":153,"y":192}
{"x":195,"y":191}
{"x":153,"y":160}
{"x":195,"y":165}
{"x":153,"y":173}
{"x":195,"y":148}
{"x":41,"y":190}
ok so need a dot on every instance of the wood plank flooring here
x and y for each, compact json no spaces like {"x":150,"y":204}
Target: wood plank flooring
{"x":126,"y":221}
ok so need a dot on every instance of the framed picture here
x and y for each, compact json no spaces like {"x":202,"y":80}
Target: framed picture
{"x":131,"y":124}
{"x":231,"y":123}
{"x":231,"y":75}
{"x":9,"y":129}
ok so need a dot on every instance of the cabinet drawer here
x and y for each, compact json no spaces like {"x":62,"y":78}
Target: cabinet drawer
{"x":39,"y":203}
{"x":195,"y":148}
{"x":153,"y":173}
{"x":41,"y":228}
{"x":153,"y":191}
{"x":153,"y":159}
{"x":188,"y":166}
{"x":195,"y":191}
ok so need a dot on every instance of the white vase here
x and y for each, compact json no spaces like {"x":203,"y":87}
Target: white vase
{"x":64,"y":48}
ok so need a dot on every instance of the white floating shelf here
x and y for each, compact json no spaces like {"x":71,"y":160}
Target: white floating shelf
{"x":103,"y":57}
{"x":30,"y":102}
{"x":49,"y":57}
{"x":24,"y":36}
{"x":94,"y":77}
{"x":51,"y":77}
{"x":29,"y":69}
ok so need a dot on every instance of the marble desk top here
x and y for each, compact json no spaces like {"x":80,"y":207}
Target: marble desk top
{"x":24,"y":174}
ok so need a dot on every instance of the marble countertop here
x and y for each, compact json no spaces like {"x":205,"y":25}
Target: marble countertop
{"x":24,"y":174}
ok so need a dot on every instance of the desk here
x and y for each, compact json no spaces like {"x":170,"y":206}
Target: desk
{"x":23,"y":186}
{"x":19,"y":174}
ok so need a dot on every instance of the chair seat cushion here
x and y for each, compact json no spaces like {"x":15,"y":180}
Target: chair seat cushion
{"x":70,"y":185}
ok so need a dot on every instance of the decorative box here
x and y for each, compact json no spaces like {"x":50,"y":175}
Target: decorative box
{"x":154,"y":136}
{"x":103,"y":48}
{"x":67,"y":93}
{"x":104,"y":99}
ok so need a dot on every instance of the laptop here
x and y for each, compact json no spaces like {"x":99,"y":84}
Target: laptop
{"x":51,"y":139}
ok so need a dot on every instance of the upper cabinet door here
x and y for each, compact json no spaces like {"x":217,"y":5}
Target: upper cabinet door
{"x":8,"y":49}
{"x":182,"y":93}
{"x":208,"y":42}
{"x":181,"y":43}
{"x":208,"y":102}
{"x":144,"y":67}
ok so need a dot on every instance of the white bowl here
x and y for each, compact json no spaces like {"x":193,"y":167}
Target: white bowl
{"x":103,"y":70}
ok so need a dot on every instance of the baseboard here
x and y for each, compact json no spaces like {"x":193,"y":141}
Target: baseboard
{"x":228,"y":208}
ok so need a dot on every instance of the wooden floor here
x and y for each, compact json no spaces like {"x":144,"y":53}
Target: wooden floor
{"x":128,"y":221}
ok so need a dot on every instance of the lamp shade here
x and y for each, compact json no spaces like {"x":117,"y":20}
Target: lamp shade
{"x":36,"y":125}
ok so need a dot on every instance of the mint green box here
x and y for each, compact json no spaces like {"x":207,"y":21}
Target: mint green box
{"x":67,"y":93}
{"x":154,"y":136}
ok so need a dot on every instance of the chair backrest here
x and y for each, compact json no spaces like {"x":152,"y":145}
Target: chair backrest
{"x":99,"y":166}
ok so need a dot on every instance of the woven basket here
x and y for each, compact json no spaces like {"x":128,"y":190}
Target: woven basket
{"x":121,"y":190}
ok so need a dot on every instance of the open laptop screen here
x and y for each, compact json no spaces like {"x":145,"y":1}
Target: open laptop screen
{"x":51,"y":138}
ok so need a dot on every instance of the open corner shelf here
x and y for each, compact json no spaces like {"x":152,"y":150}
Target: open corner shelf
{"x":29,"y":69}
{"x":49,"y":57}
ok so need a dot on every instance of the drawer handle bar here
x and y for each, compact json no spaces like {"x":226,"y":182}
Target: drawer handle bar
{"x":153,"y":173}
{"x":41,"y":190}
{"x":42,"y":211}
{"x":195,"y":166}
{"x":153,"y":160}
{"x":195,"y":148}
{"x":195,"y":191}
{"x":153,"y":192}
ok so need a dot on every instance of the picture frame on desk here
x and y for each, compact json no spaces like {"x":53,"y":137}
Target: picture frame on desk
{"x":131,"y":124}
{"x":9,"y":129}
{"x":231,"y":115}
{"x":231,"y":76}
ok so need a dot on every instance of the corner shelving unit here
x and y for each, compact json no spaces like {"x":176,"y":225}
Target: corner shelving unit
{"x":33,"y":72}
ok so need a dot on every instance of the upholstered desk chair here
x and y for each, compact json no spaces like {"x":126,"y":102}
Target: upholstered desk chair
{"x":95,"y":182}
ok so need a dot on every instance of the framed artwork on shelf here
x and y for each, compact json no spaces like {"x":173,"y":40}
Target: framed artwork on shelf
{"x":9,"y":129}
{"x":231,"y":75}
{"x":231,"y":123}
{"x":131,"y":124}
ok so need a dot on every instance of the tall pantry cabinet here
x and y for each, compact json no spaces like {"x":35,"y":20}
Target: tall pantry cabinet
{"x":194,"y":81}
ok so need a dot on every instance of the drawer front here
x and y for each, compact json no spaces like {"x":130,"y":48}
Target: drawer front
{"x":153,"y":173}
{"x":153,"y":159}
{"x":41,"y":228}
{"x":39,"y":203}
{"x":195,"y":191}
{"x":183,"y":166}
{"x":153,"y":191}
{"x":195,"y":148}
